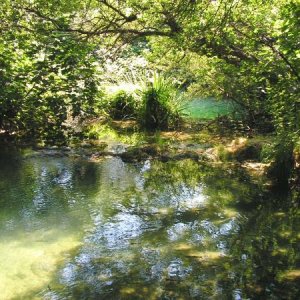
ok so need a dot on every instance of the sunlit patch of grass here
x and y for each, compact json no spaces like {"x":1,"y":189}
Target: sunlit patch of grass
{"x":105,"y":132}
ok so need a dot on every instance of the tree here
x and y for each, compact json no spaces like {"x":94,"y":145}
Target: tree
{"x":45,"y":80}
{"x":248,"y":49}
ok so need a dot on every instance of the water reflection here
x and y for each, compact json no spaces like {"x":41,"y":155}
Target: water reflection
{"x":73,"y":229}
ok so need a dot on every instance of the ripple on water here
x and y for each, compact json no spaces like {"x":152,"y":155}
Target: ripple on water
{"x":116,"y":233}
{"x":72,"y":229}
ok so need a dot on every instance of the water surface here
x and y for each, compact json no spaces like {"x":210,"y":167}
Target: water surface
{"x":210,"y":108}
{"x":73,"y":229}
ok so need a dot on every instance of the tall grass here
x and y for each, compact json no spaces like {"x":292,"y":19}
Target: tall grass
{"x":162,"y":105}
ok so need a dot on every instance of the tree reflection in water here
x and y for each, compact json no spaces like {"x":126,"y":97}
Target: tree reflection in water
{"x":176,"y":230}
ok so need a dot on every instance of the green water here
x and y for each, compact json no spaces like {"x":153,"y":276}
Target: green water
{"x":209,"y":108}
{"x":73,"y":229}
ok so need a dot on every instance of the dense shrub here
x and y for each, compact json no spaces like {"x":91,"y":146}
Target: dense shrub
{"x":162,"y":105}
{"x":123,"y":106}
{"x":44,"y":84}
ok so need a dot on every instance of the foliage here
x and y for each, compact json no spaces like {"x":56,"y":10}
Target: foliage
{"x":123,"y":106}
{"x":48,"y":83}
{"x":45,"y":83}
{"x":246,"y":51}
{"x":162,"y":105}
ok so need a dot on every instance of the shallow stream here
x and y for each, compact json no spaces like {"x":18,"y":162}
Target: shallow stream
{"x":74,"y":229}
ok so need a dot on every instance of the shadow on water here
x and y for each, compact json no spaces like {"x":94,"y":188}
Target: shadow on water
{"x":175,"y":230}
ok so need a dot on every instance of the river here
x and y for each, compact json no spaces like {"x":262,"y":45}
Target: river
{"x":75,"y":229}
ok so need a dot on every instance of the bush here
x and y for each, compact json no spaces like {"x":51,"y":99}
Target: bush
{"x":162,"y":105}
{"x":123,"y":106}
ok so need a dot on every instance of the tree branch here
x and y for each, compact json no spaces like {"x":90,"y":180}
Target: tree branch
{"x":119,"y":12}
